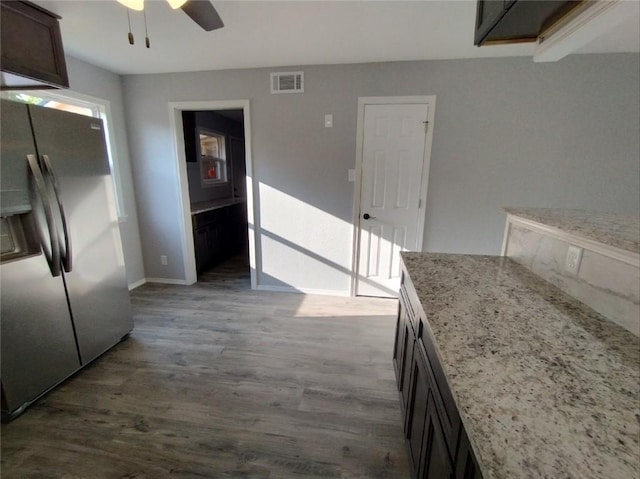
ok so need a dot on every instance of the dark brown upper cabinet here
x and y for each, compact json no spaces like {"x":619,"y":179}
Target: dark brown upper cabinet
{"x":516,"y":21}
{"x":32,"y":56}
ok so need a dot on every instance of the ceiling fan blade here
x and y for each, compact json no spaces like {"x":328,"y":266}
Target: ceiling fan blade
{"x":203,"y":13}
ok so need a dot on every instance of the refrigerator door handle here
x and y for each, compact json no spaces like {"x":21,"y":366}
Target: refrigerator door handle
{"x":65,"y":243}
{"x":52,"y":255}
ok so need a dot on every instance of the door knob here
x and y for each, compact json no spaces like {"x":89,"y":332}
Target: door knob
{"x":367,"y":216}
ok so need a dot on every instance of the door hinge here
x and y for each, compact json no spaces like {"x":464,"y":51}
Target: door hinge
{"x":420,"y":203}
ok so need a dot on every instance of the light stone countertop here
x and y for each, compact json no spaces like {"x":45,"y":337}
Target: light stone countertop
{"x":546,"y":387}
{"x":614,"y":230}
{"x":204,"y":206}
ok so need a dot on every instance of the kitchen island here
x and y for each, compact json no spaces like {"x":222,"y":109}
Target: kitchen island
{"x":539,"y":384}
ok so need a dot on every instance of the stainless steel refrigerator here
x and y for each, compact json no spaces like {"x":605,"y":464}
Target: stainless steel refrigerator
{"x":63,"y":292}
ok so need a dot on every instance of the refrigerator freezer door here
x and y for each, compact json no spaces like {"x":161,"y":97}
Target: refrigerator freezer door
{"x":16,"y":133}
{"x":97,"y":285}
{"x":38,"y":349}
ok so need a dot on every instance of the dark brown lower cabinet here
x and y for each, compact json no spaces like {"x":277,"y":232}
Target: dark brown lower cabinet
{"x":428,"y":450}
{"x":466,"y":464}
{"x":435,"y":461}
{"x":417,"y":414}
{"x":399,"y":344}
{"x":403,"y":353}
{"x":219,"y":235}
{"x":437,"y":443}
{"x":202,"y":240}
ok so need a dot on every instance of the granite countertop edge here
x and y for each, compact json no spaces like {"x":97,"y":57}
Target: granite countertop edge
{"x":611,"y":230}
{"x":204,"y":206}
{"x":491,"y":468}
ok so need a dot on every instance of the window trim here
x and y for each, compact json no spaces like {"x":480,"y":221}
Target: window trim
{"x":207,"y":182}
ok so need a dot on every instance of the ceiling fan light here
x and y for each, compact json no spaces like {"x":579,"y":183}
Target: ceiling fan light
{"x":133,"y":4}
{"x":176,"y":3}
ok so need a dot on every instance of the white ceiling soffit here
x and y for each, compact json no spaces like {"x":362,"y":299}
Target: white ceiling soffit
{"x":596,"y":25}
{"x":275,"y":34}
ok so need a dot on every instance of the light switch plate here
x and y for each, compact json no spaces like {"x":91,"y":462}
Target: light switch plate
{"x":352,"y":175}
{"x":328,"y":121}
{"x":572,"y":262}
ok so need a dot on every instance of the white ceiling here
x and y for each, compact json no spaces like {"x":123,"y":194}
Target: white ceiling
{"x":273,"y":34}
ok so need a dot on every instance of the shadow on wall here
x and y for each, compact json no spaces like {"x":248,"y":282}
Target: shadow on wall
{"x":301,"y":247}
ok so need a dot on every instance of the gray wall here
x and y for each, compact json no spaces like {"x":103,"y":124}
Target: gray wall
{"x":94,"y":81}
{"x":508,"y":132}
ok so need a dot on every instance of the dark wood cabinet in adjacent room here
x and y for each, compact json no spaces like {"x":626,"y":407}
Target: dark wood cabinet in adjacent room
{"x":31,"y":44}
{"x":219,"y":234}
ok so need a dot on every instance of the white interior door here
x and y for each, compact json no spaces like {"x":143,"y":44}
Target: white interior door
{"x":390,"y":219}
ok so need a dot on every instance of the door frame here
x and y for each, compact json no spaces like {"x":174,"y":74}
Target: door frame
{"x":429,"y":100}
{"x":175,"y":118}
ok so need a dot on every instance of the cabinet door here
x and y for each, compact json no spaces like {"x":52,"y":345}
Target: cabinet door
{"x":235,"y":230}
{"x":428,"y":451}
{"x":31,"y":45}
{"x":466,"y":466}
{"x":406,"y":371}
{"x":435,"y":462}
{"x":407,"y":366}
{"x":488,"y":12}
{"x":417,"y":411}
{"x":444,"y":402}
{"x":201,"y":240}
{"x":400,"y":344}
{"x":216,"y":241}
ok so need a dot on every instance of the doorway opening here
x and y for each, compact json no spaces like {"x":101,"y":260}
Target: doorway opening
{"x":213,"y":154}
{"x":214,"y":142}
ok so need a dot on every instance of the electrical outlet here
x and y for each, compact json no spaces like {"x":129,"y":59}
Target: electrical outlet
{"x":163,"y":260}
{"x":572,"y":262}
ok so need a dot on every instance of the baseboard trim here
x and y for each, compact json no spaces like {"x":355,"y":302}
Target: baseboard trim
{"x":136,"y":284}
{"x":181,"y":282}
{"x":291,"y":289}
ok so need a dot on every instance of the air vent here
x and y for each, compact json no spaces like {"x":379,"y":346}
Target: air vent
{"x":287,"y":82}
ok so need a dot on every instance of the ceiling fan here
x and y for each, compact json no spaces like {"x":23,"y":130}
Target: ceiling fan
{"x":201,"y":11}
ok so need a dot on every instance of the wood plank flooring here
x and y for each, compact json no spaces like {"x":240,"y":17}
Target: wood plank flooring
{"x":219,"y":381}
